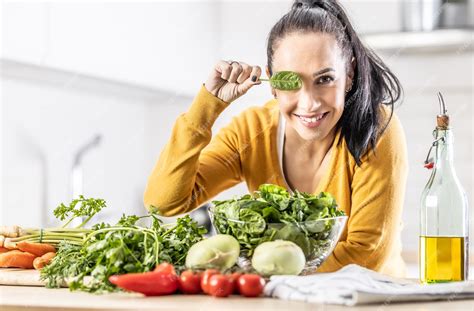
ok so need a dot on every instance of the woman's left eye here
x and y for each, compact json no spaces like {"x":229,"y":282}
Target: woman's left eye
{"x":325,"y":80}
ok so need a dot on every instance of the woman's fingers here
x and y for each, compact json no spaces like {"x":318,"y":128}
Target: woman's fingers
{"x":248,"y":83}
{"x":231,"y":79}
{"x":245,"y":74}
{"x":236,"y":71}
{"x":224,"y":69}
{"x":256,"y":72}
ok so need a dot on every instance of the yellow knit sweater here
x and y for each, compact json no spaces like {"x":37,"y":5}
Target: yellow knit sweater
{"x":194,"y":167}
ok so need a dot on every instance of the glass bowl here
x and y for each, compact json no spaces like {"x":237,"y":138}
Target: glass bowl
{"x":317,"y":238}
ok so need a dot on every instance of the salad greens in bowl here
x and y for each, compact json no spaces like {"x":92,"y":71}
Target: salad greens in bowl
{"x":313,"y":222}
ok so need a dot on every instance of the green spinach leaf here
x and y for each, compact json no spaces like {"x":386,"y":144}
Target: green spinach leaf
{"x":285,"y":81}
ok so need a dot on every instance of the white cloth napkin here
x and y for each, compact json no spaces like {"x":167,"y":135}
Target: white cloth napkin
{"x":354,"y":285}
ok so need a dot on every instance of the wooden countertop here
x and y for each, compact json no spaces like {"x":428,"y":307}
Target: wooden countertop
{"x":16,"y":295}
{"x":13,"y":298}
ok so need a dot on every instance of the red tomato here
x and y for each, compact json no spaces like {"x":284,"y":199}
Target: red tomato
{"x":234,"y":278}
{"x":190,"y":282}
{"x":165,"y":267}
{"x":205,"y":279}
{"x":148,"y":283}
{"x":251,"y":285}
{"x":220,"y":286}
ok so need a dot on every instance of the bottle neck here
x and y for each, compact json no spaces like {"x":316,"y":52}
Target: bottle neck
{"x":444,"y":150}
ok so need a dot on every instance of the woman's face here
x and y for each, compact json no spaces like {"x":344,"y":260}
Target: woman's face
{"x":313,"y":110}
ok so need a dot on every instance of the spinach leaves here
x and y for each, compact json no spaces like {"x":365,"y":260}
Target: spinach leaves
{"x":271,"y":213}
{"x":285,"y":81}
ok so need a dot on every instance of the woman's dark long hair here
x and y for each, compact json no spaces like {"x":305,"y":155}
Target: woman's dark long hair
{"x":373,"y":83}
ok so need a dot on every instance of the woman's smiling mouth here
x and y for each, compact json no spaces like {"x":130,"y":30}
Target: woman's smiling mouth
{"x":313,"y":120}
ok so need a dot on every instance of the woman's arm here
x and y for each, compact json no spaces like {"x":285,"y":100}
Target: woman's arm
{"x":190,"y":170}
{"x":378,"y":189}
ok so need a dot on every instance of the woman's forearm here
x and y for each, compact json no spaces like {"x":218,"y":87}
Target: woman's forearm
{"x":172,"y":186}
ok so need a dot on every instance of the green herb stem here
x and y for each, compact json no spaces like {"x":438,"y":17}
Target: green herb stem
{"x":64,"y":236}
{"x":68,"y":222}
{"x":55,"y":241}
{"x":60,"y":229}
{"x":169,"y":231}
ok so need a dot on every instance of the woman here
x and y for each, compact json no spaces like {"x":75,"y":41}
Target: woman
{"x":337,"y":133}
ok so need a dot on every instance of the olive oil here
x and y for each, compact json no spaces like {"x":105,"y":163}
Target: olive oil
{"x":443,"y":259}
{"x":444,"y":231}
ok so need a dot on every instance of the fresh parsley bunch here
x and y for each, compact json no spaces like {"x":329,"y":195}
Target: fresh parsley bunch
{"x":122,"y":248}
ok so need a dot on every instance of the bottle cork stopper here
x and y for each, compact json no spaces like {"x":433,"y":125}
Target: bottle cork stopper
{"x":442,"y":121}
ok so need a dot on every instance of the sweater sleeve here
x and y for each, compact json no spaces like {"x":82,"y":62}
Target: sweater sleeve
{"x":378,"y":189}
{"x":191,"y":168}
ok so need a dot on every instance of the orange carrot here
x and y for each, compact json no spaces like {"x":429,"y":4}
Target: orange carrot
{"x":48,"y":256}
{"x":40,"y":262}
{"x":38,"y":249}
{"x":3,"y":250}
{"x":17,"y":259}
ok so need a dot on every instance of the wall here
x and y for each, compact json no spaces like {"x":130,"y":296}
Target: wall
{"x":47,"y":115}
{"x":167,"y":44}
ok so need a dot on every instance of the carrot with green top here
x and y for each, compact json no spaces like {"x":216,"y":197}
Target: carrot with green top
{"x":81,"y":207}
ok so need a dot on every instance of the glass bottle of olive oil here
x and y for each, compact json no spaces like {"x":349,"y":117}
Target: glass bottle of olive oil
{"x":444,"y":235}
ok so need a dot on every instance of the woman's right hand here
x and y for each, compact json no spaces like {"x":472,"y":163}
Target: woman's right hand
{"x":230,"y":81}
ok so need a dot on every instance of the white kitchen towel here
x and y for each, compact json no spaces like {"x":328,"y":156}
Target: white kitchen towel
{"x":355,"y":285}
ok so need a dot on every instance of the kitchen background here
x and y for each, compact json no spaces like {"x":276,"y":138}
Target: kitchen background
{"x":90,"y":91}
